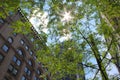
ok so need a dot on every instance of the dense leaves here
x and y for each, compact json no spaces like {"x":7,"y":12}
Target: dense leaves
{"x":90,"y":36}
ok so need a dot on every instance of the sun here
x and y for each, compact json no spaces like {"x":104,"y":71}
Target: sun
{"x":66,"y":16}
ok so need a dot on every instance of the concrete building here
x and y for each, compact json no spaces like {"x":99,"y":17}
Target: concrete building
{"x":17,"y":52}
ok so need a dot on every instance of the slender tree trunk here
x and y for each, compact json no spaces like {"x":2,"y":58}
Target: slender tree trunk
{"x":98,"y":59}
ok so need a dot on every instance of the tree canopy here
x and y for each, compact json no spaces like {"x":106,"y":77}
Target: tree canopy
{"x":80,"y":35}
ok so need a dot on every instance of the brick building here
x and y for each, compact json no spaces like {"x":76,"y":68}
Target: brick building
{"x":17,"y":53}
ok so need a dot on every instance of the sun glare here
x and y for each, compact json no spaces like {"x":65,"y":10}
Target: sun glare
{"x":66,"y":16}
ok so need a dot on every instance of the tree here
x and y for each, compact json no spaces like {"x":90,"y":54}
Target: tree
{"x":86,"y":26}
{"x":109,"y":26}
{"x":65,"y":60}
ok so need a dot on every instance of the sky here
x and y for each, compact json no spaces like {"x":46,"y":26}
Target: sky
{"x":44,"y":19}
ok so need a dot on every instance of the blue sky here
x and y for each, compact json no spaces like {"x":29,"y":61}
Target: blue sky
{"x":44,"y":19}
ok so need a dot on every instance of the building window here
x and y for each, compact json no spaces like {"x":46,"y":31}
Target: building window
{"x":35,"y":57}
{"x":10,"y":40}
{"x":31,"y":52}
{"x":45,"y":78}
{"x":23,"y":78}
{"x":22,"y":41}
{"x":15,"y":34}
{"x":32,"y":39}
{"x":37,"y":46}
{"x":17,"y":61}
{"x":27,"y":71}
{"x":5,"y":78}
{"x":36,"y":78}
{"x":26,"y":47}
{"x":20,"y":52}
{"x":38,"y":72}
{"x":5,"y":48}
{"x":30,"y":62}
{"x":1,"y":57}
{"x":10,"y":13}
{"x":1,"y":21}
{"x":12,"y":70}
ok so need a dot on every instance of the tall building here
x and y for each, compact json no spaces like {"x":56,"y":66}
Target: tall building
{"x":17,"y":52}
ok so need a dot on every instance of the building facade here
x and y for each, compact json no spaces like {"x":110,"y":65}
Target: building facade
{"x":17,"y":53}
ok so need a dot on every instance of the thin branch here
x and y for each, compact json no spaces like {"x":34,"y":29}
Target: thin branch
{"x":107,"y":50}
{"x":92,"y":66}
{"x":96,"y":74}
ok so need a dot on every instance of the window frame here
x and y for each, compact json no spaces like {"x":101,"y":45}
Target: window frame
{"x":13,"y":70}
{"x":23,"y":77}
{"x":14,"y":34}
{"x":20,"y":52}
{"x":16,"y":60}
{"x":30,"y":62}
{"x":36,"y":78}
{"x":2,"y":20}
{"x":1,"y":57}
{"x":10,"y":39}
{"x":31,"y":52}
{"x":32,"y":39}
{"x":27,"y":47}
{"x":22,"y":42}
{"x":5,"y":48}
{"x":27,"y":71}
{"x":39,"y":72}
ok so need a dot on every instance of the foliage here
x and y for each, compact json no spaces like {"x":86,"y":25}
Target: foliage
{"x":87,"y":29}
{"x":62,"y":58}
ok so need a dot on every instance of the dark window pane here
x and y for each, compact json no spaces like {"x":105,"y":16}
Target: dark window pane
{"x":10,"y":13}
{"x":1,"y":20}
{"x":35,"y":57}
{"x":15,"y":34}
{"x":14,"y":59}
{"x":23,"y":78}
{"x":35,"y":78}
{"x":18,"y":62}
{"x":22,"y":41}
{"x":5,"y":48}
{"x":30,"y":62}
{"x":10,"y":68}
{"x":1,"y":57}
{"x":37,"y":46}
{"x":20,"y":52}
{"x":38,"y":72}
{"x":14,"y":71}
{"x":31,"y":52}
{"x":32,"y":39}
{"x":5,"y":78}
{"x":29,"y":72}
{"x":26,"y":69}
{"x":26,"y":47}
{"x":10,"y":40}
